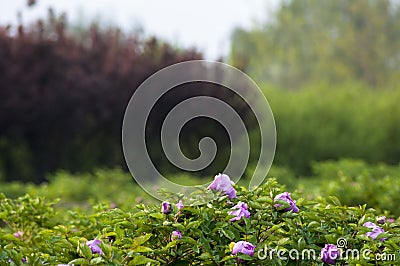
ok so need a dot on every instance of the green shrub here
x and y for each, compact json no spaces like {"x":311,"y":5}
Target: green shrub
{"x":82,"y":190}
{"x":144,"y":235}
{"x":323,"y":123}
{"x":355,"y":182}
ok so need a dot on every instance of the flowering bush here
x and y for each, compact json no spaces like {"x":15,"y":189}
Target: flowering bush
{"x":33,"y":233}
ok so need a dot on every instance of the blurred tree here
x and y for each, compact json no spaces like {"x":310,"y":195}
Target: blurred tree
{"x":334,"y":41}
{"x":63,"y":94}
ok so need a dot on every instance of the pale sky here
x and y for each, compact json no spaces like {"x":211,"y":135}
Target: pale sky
{"x":205,"y":24}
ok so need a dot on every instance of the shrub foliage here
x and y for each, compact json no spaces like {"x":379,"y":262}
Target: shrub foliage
{"x":144,"y":235}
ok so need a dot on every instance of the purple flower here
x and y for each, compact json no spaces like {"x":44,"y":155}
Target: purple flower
{"x":176,"y":235}
{"x":94,"y":246}
{"x":179,"y":205}
{"x":390,"y":220}
{"x":166,"y":207}
{"x":18,"y":234}
{"x":223,"y":183}
{"x":239,"y":212}
{"x":376,"y":230}
{"x":381,"y":219}
{"x":285,"y":196}
{"x":243,"y":247}
{"x":330,"y":253}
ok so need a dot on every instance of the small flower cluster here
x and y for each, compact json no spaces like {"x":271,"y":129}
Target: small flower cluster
{"x":222,"y":183}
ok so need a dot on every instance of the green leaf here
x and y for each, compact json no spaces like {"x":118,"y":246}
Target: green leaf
{"x":264,"y":200}
{"x":157,"y":215}
{"x":289,"y":214}
{"x":228,"y":234}
{"x":142,"y":249}
{"x":226,"y":258}
{"x":188,"y":239}
{"x":283,"y":241}
{"x":331,"y":238}
{"x":61,"y":228}
{"x":275,"y":227}
{"x":193,"y":224}
{"x":301,"y":243}
{"x":205,"y":256}
{"x":140,"y":240}
{"x":87,"y":252}
{"x":9,"y":237}
{"x":111,"y":234}
{"x":171,"y":244}
{"x":125,"y":224}
{"x":361,"y":221}
{"x":196,"y":248}
{"x":80,"y":261}
{"x":314,"y":224}
{"x":383,"y":235}
{"x":180,"y":227}
{"x":139,"y":214}
{"x":244,"y":257}
{"x":335,"y":200}
{"x":205,"y":243}
{"x":255,"y":205}
{"x":96,"y":260}
{"x":140,"y":260}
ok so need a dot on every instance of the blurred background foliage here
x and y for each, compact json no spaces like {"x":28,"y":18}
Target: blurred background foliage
{"x":330,"y":70}
{"x":323,"y":41}
{"x":354,"y":182}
